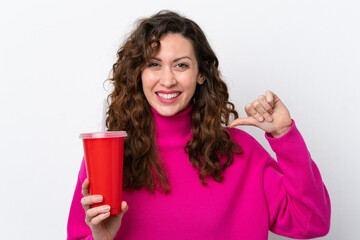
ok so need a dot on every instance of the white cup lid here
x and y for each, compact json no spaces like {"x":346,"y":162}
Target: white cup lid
{"x":110,"y":134}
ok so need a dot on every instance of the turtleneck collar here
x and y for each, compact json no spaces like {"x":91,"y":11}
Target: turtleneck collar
{"x":172,"y":131}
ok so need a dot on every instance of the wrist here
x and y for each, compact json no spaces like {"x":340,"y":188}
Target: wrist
{"x":279,"y":133}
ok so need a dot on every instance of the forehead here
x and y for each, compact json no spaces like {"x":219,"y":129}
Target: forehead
{"x":171,"y":44}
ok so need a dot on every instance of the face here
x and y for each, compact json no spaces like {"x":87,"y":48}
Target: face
{"x":170,"y":77}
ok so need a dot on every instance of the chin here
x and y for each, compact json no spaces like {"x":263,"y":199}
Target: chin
{"x":167,"y":111}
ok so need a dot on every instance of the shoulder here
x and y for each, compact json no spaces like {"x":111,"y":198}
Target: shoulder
{"x":253,"y":157}
{"x":251,"y":149}
{"x":242,"y":138}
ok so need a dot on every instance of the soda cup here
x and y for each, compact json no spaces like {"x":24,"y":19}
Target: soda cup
{"x":104,"y":153}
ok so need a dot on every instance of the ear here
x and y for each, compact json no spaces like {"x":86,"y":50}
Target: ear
{"x":201,"y":79}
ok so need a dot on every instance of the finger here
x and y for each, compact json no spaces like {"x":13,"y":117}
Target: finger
{"x":86,"y":202}
{"x":244,"y":121}
{"x":270,"y":98}
{"x":251,"y":111}
{"x":262,"y":99}
{"x":124,"y":207}
{"x":99,"y":218}
{"x":92,"y":199}
{"x":85,"y":188}
{"x":93,"y":212}
{"x":262,"y":111}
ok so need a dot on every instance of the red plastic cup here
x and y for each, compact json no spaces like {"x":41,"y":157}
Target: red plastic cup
{"x":104,"y":153}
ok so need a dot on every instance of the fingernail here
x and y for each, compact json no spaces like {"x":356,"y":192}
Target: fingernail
{"x":269,"y":118}
{"x":98,"y":199}
{"x":106,"y":208}
{"x":260,"y":118}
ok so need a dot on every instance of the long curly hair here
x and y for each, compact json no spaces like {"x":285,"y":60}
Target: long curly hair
{"x":130,"y":111}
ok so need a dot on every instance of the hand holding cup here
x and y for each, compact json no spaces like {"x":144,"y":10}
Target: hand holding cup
{"x":102,"y":225}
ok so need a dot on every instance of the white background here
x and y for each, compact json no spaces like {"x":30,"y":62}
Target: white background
{"x":55,"y":56}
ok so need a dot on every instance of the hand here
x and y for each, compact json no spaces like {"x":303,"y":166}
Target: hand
{"x":102,"y":225}
{"x":267,"y":113}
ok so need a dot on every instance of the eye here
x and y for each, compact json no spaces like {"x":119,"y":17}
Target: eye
{"x":182,"y":65}
{"x":153,"y":64}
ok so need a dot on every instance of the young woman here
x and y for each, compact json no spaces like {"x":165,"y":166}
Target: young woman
{"x":186,"y":175}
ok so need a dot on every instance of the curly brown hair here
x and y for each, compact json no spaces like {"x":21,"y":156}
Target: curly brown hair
{"x":130,"y":111}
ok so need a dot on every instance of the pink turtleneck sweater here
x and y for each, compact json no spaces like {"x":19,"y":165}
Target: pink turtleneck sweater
{"x":257,"y":194}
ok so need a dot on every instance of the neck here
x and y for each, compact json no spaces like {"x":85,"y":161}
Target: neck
{"x":173,"y":130}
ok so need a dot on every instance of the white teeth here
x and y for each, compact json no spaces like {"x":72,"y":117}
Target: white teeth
{"x":168,"y":96}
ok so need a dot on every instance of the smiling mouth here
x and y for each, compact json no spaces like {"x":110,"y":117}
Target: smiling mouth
{"x":168,"y":96}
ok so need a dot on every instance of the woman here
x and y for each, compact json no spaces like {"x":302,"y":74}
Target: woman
{"x":186,"y":176}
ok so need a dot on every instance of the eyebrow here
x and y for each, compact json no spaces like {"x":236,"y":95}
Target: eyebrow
{"x":175,"y":60}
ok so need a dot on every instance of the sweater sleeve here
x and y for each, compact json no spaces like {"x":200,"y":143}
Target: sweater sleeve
{"x":298,"y":202}
{"x":76,"y":227}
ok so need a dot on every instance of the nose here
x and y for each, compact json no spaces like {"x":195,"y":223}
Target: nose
{"x":167,"y":78}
